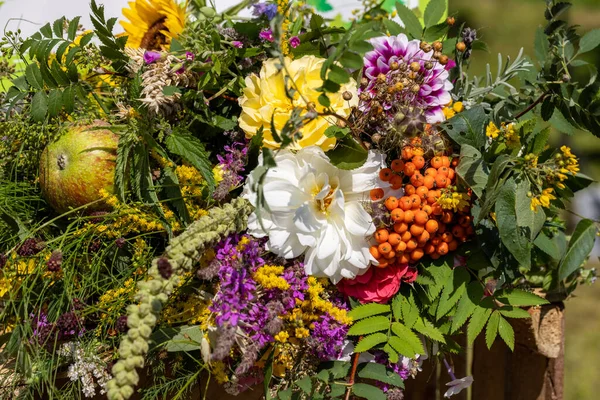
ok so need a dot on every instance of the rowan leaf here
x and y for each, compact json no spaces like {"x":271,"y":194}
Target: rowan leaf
{"x":368,"y":342}
{"x":368,"y":310}
{"x":369,"y":325}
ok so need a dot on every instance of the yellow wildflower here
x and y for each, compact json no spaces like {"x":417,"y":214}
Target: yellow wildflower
{"x":218,"y":370}
{"x":492,"y":131}
{"x":512,"y":136}
{"x":268,"y":276}
{"x":453,"y":200}
{"x":546,"y":196}
{"x":282,"y":336}
{"x":458,"y":106}
{"x":448,"y":112}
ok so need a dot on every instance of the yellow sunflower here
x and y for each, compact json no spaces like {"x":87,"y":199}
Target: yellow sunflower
{"x":153,"y":23}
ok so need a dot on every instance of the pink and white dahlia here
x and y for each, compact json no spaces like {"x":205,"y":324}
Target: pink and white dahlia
{"x":390,"y":65}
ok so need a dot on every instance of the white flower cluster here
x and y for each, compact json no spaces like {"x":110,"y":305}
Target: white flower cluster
{"x":90,"y":370}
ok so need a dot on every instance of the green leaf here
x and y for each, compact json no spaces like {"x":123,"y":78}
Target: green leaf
{"x":397,"y":307}
{"x":86,"y":39}
{"x":305,"y":384}
{"x":492,"y":329}
{"x":378,"y":372}
{"x":580,"y":247}
{"x":369,"y":325}
{"x":514,"y":312}
{"x":369,"y":392}
{"x":171,"y":187}
{"x":54,"y":102}
{"x":506,"y":332}
{"x":351,"y":60}
{"x":562,"y":124}
{"x":519,"y":297}
{"x":425,"y":327}
{"x":72,"y":30}
{"x":268,"y":373}
{"x":589,"y":41}
{"x":454,"y":287}
{"x":123,"y":151}
{"x":368,"y":342}
{"x":336,"y":132}
{"x":468,"y":127}
{"x":192,"y":150}
{"x":402,"y":346}
{"x":189,"y":338}
{"x":324,"y":100}
{"x":541,"y":45}
{"x":34,"y":76}
{"x":392,"y":354}
{"x":362,"y":46}
{"x":347,"y":154}
{"x":467,"y":305}
{"x":338,"y":74}
{"x":410,"y":311}
{"x":46,"y":30}
{"x":285,"y":394}
{"x":368,"y":310}
{"x":477,"y":322}
{"x":393,"y":27}
{"x":434,"y":12}
{"x":39,"y":106}
{"x":472,"y":169}
{"x":409,"y":336}
{"x":410,"y":21}
{"x":438,"y":31}
{"x":57,"y":27}
{"x":551,"y":246}
{"x":511,"y":234}
{"x":171,"y":90}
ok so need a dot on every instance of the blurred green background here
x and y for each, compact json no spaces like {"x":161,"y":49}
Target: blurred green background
{"x":506,"y":26}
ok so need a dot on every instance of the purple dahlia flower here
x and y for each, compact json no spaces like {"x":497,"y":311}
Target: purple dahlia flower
{"x":434,"y":87}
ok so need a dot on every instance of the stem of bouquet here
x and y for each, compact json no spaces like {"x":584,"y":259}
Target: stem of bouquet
{"x":355,"y":358}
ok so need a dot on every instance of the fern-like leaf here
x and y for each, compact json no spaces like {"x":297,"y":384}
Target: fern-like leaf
{"x":369,"y":325}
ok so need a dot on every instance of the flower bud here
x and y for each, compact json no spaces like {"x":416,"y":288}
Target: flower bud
{"x":347,"y":95}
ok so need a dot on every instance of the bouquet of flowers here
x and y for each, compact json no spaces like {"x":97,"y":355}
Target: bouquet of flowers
{"x":273,"y":201}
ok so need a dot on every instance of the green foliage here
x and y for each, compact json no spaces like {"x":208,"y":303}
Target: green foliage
{"x":348,"y":154}
{"x":192,"y":150}
{"x":368,"y":310}
{"x":580,"y":246}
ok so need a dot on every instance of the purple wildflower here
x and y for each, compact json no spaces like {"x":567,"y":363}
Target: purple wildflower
{"x":237,"y":43}
{"x":30,"y":247}
{"x":402,"y":367}
{"x":120,"y":242}
{"x":55,"y":261}
{"x":328,"y":337}
{"x":151,"y":57}
{"x":294,"y":41}
{"x":164,"y":267}
{"x":189,"y":56}
{"x":266,"y":35}
{"x":121,"y":324}
{"x":233,"y":163}
{"x":389,"y":56}
{"x":269,"y":10}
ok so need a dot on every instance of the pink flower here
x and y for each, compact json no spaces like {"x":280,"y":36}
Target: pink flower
{"x":238,"y":44}
{"x":378,"y":285}
{"x":189,"y":56}
{"x":151,"y":57}
{"x":294,"y":41}
{"x":267,"y":35}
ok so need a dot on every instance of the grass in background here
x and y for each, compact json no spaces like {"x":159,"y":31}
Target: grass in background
{"x":506,"y":26}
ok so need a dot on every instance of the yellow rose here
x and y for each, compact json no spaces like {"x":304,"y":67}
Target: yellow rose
{"x":265,"y":97}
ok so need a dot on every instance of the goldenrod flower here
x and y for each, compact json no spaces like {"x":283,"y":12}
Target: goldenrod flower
{"x":458,"y":106}
{"x":265,"y":98}
{"x":153,"y":23}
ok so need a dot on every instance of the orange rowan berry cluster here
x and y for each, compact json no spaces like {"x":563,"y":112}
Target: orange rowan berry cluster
{"x":419,"y":225}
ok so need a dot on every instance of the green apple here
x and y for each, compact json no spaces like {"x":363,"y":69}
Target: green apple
{"x":76,"y":167}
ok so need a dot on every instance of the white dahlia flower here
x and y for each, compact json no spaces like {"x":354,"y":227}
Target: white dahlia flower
{"x":315,"y":209}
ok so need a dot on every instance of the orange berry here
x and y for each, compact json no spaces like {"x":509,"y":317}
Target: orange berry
{"x":447,"y":237}
{"x":431,"y":172}
{"x":397,"y":215}
{"x":470,"y":230}
{"x":416,"y":230}
{"x":404,"y":259}
{"x":427,"y":208}
{"x":407,"y":152}
{"x":385,"y":174}
{"x":423,"y":238}
{"x":376,"y":194}
{"x":383,"y":263}
{"x":421,"y":217}
{"x":451,"y":174}
{"x":397,"y":165}
{"x":429,"y":181}
{"x":441,"y":180}
{"x":390,"y":255}
{"x":422,"y":192}
{"x":401,"y":246}
{"x":394,"y":239}
{"x":437,"y":209}
{"x":454,"y":162}
{"x":453,"y":245}
{"x":436,"y":240}
{"x":411,"y":245}
{"x":384,"y":248}
{"x":415,"y":199}
{"x":417,"y":179}
{"x":442,"y":228}
{"x":465,"y":221}
{"x":445,"y":161}
{"x":429,"y":248}
{"x":374,"y":252}
{"x":431,"y":196}
{"x":419,"y":161}
{"x":417,"y":151}
{"x":409,"y":169}
{"x":409,"y":189}
{"x":391,"y":203}
{"x":435,"y":256}
{"x":436,"y":162}
{"x":400,"y":227}
{"x":382,"y":235}
{"x":431,"y":226}
{"x":458,"y":231}
{"x":443,"y":171}
{"x":417,"y":254}
{"x":405,"y":203}
{"x":396,"y":182}
{"x":409,"y":216}
{"x":442,"y":248}
{"x":406,"y":236}
{"x":447,"y":217}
